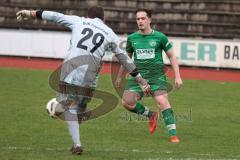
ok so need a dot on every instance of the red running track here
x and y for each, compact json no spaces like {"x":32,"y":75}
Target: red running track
{"x":186,"y":72}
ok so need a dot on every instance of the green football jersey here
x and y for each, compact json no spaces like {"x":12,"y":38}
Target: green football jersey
{"x":147,"y":52}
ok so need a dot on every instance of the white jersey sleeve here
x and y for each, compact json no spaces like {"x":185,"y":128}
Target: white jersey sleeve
{"x":65,"y":20}
{"x":117,"y":50}
{"x":121,"y":54}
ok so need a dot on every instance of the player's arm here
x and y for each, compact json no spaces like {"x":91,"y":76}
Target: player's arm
{"x":129,"y":49}
{"x":59,"y":18}
{"x":175,"y":66}
{"x":167,"y":47}
{"x":120,"y":73}
{"x":128,"y":64}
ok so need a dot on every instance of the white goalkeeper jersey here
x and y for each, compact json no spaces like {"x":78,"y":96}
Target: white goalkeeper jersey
{"x":89,"y":40}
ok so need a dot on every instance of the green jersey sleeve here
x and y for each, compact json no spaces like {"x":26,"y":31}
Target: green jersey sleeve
{"x":129,"y":47}
{"x":166,"y":44}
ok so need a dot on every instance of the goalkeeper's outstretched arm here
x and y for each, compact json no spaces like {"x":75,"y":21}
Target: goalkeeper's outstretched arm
{"x":59,"y":18}
{"x":127,"y":63}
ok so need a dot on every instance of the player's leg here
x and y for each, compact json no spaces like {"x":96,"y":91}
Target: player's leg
{"x":131,"y":102}
{"x":74,"y":104}
{"x":167,"y":112}
{"x":130,"y":99}
{"x":83,"y":113}
{"x":71,"y":119}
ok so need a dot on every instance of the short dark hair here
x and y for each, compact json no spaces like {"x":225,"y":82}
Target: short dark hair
{"x":149,"y":12}
{"x":96,"y":12}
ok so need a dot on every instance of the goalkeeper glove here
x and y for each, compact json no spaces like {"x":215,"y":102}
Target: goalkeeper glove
{"x":24,"y":15}
{"x":143,"y":84}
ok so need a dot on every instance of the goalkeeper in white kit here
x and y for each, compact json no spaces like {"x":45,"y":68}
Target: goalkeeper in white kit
{"x":89,"y":39}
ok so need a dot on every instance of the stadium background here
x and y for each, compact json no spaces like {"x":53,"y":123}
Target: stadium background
{"x":205,"y":34}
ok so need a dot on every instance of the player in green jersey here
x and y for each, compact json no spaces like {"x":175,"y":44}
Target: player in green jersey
{"x":146,"y":46}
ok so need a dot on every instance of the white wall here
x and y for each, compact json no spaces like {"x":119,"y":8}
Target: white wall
{"x":49,"y":44}
{"x":53,"y":44}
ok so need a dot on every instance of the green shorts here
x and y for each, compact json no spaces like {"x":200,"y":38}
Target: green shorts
{"x":159,"y":83}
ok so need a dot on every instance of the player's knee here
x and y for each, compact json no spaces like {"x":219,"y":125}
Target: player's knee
{"x":124,"y":103}
{"x":128,"y":104}
{"x":163,"y":104}
{"x":163,"y":108}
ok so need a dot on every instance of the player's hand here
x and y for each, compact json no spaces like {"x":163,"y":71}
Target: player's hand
{"x":143,"y":84}
{"x":118,"y":82}
{"x":178,"y":83}
{"x":24,"y":15}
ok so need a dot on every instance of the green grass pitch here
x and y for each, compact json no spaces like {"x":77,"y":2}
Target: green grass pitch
{"x":208,"y":123}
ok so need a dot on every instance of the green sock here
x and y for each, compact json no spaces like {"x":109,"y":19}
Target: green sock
{"x":169,"y":120}
{"x":142,"y":110}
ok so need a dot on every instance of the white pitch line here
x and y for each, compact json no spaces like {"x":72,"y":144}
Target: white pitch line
{"x":236,"y":157}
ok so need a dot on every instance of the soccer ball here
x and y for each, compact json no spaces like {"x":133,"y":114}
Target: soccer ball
{"x":54,"y":108}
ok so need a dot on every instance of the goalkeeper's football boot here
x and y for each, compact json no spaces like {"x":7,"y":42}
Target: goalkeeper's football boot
{"x":76,"y":150}
{"x":153,"y":122}
{"x":174,"y":139}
